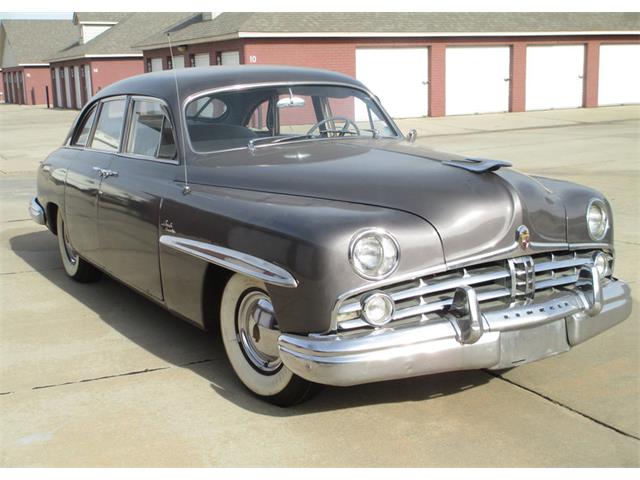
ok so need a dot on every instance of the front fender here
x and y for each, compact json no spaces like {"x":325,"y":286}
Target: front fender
{"x":308,"y":237}
{"x":576,"y":199}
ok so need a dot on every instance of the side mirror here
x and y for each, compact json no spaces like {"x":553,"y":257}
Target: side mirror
{"x":412,"y":135}
{"x":289,"y":102}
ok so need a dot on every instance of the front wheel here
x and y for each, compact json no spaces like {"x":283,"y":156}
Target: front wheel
{"x":77,"y":268}
{"x":250,"y":336}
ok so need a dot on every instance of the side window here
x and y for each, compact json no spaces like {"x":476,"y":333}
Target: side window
{"x":206,"y":108}
{"x":109,"y":126}
{"x":150,"y":132}
{"x":83,"y":131}
{"x":259,"y":119}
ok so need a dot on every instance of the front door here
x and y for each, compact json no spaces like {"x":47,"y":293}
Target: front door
{"x":130,"y":198}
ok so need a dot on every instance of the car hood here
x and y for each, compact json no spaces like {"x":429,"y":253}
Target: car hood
{"x":475,"y":214}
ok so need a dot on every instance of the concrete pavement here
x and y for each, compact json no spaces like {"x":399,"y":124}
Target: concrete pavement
{"x":95,"y":375}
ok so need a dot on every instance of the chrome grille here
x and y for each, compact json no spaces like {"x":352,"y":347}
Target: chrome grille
{"x":496,"y":284}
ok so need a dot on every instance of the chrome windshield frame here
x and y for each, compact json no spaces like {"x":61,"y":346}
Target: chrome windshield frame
{"x":250,"y":86}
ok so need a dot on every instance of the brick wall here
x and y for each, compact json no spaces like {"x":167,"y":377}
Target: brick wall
{"x":104,"y":72}
{"x":37,"y":80}
{"x":339,"y":55}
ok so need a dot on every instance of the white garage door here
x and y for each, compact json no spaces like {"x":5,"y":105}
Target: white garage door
{"x":230,"y":58}
{"x":56,"y":73}
{"x":477,"y":80}
{"x":178,"y":62}
{"x":76,"y":75}
{"x":398,"y":76}
{"x":67,"y":87}
{"x":202,"y":60}
{"x":554,"y":77}
{"x":87,"y":81}
{"x":619,"y":80}
{"x":156,"y":64}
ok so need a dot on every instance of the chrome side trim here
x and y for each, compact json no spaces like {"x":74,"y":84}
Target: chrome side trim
{"x":36,"y":212}
{"x":233,"y":260}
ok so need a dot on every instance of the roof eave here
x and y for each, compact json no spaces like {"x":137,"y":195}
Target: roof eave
{"x":431,"y":34}
{"x":96,"y":55}
{"x":238,"y":35}
{"x":191,"y":41}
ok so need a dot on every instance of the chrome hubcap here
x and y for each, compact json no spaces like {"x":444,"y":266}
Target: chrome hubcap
{"x":258,"y":331}
{"x":72,"y":255}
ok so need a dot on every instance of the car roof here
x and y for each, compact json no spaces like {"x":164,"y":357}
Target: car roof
{"x":193,"y":80}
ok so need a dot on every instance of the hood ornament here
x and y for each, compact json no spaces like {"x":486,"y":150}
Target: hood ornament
{"x":523,"y":236}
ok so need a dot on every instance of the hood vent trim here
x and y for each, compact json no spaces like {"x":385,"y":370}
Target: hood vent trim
{"x":478,"y":165}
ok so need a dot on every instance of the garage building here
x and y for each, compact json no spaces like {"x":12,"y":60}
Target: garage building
{"x":103,"y":53}
{"x":431,"y":63}
{"x":25,"y":72}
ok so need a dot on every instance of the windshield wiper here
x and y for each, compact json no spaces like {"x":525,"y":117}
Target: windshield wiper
{"x":275,"y":139}
{"x":373,"y":131}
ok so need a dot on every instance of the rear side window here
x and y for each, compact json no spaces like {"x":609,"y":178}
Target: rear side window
{"x":82,"y":133}
{"x":151,"y":132}
{"x":109,"y":126}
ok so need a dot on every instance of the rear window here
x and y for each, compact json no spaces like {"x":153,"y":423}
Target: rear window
{"x":109,"y":126}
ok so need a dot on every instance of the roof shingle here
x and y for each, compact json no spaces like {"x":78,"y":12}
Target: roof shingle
{"x":20,"y":35}
{"x":229,"y":25}
{"x":121,"y":38}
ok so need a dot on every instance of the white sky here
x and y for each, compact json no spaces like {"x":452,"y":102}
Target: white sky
{"x":46,"y":16}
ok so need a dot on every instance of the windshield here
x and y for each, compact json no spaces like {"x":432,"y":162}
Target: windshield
{"x":241,"y":119}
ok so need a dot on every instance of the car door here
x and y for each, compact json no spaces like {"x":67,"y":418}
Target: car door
{"x":130,"y":198}
{"x":96,"y":138}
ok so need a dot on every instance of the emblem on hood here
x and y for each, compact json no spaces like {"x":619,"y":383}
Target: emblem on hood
{"x":523,"y":237}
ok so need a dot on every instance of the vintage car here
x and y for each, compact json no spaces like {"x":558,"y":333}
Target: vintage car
{"x":285,"y":206}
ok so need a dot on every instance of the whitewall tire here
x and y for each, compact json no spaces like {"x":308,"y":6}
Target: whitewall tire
{"x":76,"y":267}
{"x":249,"y":333}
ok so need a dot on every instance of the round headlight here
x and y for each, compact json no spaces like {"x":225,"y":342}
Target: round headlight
{"x":601,"y":262}
{"x":597,"y":219}
{"x":374,"y":254}
{"x":377,"y":309}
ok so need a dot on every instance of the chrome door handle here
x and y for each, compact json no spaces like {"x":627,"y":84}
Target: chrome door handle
{"x":105,"y":173}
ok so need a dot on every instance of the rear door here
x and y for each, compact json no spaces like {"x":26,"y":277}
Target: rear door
{"x":96,"y":139}
{"x":130,"y":198}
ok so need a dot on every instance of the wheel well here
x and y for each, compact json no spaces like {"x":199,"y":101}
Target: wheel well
{"x":215,"y":279}
{"x":52,"y":217}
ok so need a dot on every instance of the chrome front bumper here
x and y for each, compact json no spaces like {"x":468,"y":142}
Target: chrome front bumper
{"x":36,"y":212}
{"x":508,"y":337}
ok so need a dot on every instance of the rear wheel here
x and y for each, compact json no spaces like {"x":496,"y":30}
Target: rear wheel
{"x":77,"y":268}
{"x":250,"y":336}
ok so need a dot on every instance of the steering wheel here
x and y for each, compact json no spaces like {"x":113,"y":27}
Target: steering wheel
{"x":340,"y":132}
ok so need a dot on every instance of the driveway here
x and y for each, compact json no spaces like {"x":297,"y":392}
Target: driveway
{"x":95,"y":375}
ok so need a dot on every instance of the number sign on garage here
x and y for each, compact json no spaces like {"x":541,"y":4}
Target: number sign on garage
{"x":399,"y":76}
{"x":554,"y":76}
{"x":477,"y":80}
{"x":619,"y":80}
